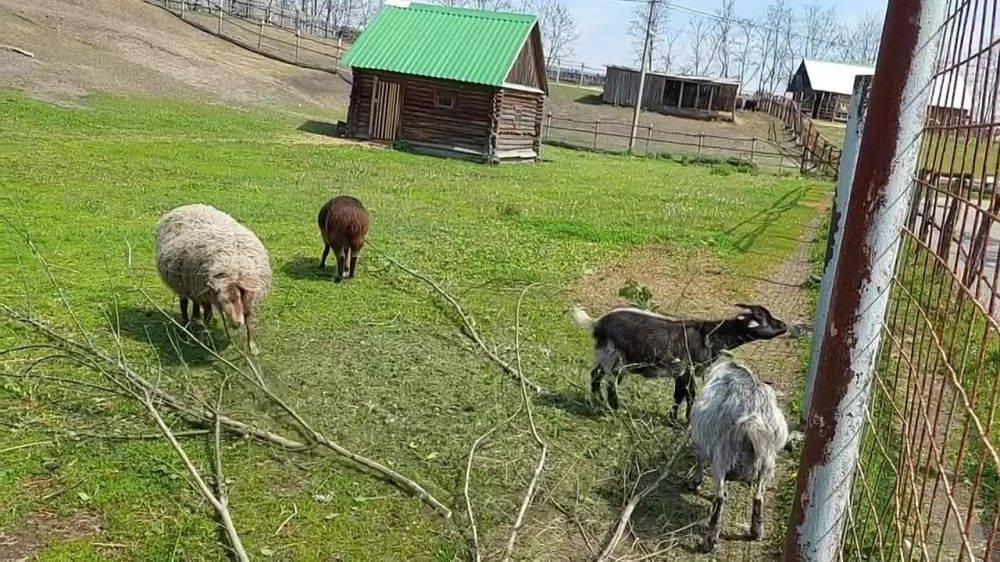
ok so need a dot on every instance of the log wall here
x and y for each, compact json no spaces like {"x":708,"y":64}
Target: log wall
{"x":518,"y":128}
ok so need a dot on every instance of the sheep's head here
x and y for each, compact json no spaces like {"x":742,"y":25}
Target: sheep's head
{"x":231,"y":299}
{"x":759,"y":322}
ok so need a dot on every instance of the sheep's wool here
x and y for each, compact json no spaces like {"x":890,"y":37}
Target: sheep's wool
{"x":199,"y":247}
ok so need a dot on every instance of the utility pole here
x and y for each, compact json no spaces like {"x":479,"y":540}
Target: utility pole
{"x":646,"y":47}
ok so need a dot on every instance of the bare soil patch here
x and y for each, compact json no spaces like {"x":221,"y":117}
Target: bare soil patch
{"x":35,"y":532}
{"x":83,"y":46}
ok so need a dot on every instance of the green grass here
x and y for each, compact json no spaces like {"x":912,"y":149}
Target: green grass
{"x":377,"y":363}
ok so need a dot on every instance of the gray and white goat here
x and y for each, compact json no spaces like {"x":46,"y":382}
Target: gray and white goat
{"x":738,"y":428}
{"x":659,"y":346}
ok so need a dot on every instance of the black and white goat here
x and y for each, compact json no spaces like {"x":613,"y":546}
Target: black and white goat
{"x":737,"y":428}
{"x":659,"y":346}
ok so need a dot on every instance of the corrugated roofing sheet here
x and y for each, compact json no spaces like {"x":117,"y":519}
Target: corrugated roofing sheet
{"x":440,"y":42}
{"x":834,"y":76}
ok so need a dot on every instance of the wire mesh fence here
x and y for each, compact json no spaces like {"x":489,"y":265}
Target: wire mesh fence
{"x":926,"y":483}
{"x":266,"y":28}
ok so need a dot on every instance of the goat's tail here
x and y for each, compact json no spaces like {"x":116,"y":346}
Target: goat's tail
{"x":755,"y":431}
{"x":583,"y":319}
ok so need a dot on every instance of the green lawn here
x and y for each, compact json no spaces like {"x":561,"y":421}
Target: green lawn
{"x":377,"y":363}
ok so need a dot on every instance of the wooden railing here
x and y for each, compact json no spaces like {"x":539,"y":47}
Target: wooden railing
{"x":818,"y":153}
{"x":613,"y":136}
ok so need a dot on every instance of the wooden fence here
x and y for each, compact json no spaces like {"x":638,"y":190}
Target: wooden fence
{"x":818,"y":153}
{"x":270,"y":30}
{"x":614,"y":135}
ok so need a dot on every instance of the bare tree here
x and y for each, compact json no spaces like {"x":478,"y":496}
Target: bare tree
{"x":865,"y":37}
{"x":777,"y":48}
{"x":747,"y":61}
{"x":723,"y":39}
{"x":558,"y":28}
{"x":657,"y":30}
{"x":819,"y":31}
{"x":702,"y":51}
{"x":668,"y":51}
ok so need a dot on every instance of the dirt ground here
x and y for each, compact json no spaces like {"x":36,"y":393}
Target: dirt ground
{"x":82,"y":46}
{"x":705,"y":289}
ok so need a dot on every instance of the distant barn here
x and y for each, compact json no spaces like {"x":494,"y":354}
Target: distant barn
{"x":450,"y":81}
{"x":687,"y":96}
{"x":823,"y":89}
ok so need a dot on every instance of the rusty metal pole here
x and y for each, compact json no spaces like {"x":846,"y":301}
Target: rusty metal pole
{"x":845,"y":178}
{"x":879,"y":203}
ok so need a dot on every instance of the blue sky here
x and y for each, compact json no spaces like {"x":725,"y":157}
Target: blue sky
{"x":603,"y":23}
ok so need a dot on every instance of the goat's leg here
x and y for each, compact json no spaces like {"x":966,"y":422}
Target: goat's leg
{"x":596,"y":377}
{"x":184,"y":311}
{"x":712,"y":535}
{"x":206,"y":314}
{"x":757,"y":515}
{"x":612,"y":386}
{"x":326,"y":252}
{"x":692,"y":388}
{"x":699,"y":474}
{"x":680,"y":395}
{"x":354,"y":265}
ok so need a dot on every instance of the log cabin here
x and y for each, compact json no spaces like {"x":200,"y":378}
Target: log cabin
{"x":449,"y":82}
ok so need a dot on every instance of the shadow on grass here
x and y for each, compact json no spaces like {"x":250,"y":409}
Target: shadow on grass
{"x":173,"y":346}
{"x":319,"y":128}
{"x":307,"y":267}
{"x":744,"y":234}
{"x":572,"y":402}
{"x":590,"y":99}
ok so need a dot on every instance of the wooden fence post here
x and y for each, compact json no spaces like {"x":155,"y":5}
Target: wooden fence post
{"x":558,"y":69}
{"x":649,"y":134}
{"x":219,"y":27}
{"x":701,"y":141}
{"x":182,"y":9}
{"x":597,"y":131}
{"x":297,"y":36}
{"x":260,"y":32}
{"x":805,"y":158}
{"x":581,"y":74}
{"x":548,"y":126}
{"x":340,"y":48}
{"x":753,"y":148}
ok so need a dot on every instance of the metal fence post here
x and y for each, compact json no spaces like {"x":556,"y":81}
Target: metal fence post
{"x":558,"y":70}
{"x":219,"y":29}
{"x":877,"y":210}
{"x":548,"y":126}
{"x":845,"y":178}
{"x":597,"y":130}
{"x":581,"y":74}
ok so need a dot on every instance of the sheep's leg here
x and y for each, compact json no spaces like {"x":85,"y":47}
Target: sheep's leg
{"x":712,"y":535}
{"x":326,"y":252}
{"x":757,"y":515}
{"x":184,"y":311}
{"x":340,"y":266}
{"x":251,"y":347}
{"x":354,"y":264}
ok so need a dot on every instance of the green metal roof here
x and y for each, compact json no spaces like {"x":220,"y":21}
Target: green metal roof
{"x":441,"y":42}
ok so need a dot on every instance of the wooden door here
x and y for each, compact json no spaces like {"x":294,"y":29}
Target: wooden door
{"x":387,"y":106}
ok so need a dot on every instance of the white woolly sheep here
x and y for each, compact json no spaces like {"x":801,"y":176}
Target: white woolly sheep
{"x":738,"y":428}
{"x":205,"y":256}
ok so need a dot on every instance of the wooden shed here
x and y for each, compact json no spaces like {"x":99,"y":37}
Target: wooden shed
{"x":450,"y":81}
{"x":823,"y":89}
{"x":673,"y":94}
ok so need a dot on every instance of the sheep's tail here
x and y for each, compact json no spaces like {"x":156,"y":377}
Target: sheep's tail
{"x":583,"y":319}
{"x":756,"y":433}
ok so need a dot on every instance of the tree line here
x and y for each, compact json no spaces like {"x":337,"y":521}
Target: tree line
{"x":761,"y":52}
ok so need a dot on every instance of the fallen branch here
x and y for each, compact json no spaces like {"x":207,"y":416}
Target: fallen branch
{"x":468,"y":479}
{"x":529,"y":494}
{"x":17,"y":50}
{"x":24,"y":446}
{"x":626,"y":516}
{"x":468,"y":321}
{"x":206,"y":417}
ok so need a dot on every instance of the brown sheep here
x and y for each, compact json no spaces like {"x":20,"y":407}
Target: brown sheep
{"x":343,"y":224}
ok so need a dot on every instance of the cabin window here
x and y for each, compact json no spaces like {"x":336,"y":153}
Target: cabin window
{"x":444,"y":99}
